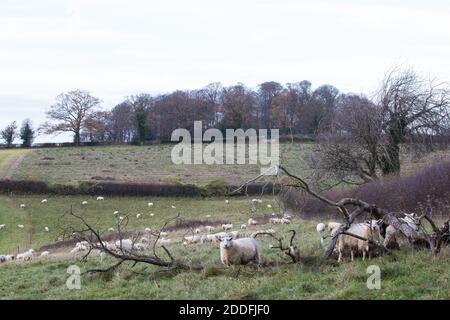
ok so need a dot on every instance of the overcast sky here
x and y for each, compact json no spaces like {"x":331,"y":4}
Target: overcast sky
{"x":116,"y":48}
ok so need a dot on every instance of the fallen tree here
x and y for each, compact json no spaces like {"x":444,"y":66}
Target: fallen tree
{"x":352,"y":208}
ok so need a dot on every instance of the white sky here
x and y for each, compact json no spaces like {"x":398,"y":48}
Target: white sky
{"x":116,"y":48}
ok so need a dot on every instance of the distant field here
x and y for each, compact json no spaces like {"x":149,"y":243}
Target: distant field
{"x":7,"y":159}
{"x":147,"y":164}
{"x":312,"y":278}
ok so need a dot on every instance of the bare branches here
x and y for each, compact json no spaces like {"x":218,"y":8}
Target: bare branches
{"x":291,"y":251}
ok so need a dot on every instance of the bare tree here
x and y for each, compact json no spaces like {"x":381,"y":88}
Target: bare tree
{"x":412,"y":107}
{"x":70,"y":113}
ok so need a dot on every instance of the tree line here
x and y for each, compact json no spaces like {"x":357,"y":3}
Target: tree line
{"x":359,"y":137}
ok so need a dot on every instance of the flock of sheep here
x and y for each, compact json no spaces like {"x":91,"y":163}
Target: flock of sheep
{"x":239,"y":246}
{"x":374,"y":230}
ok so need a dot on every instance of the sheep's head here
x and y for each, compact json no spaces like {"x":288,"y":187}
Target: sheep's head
{"x":227,"y":241}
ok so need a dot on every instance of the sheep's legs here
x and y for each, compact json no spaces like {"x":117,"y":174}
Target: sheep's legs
{"x":364,"y":255}
{"x":352,"y":255}
{"x":340,"y":256}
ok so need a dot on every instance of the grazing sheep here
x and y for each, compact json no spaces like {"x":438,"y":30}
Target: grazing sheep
{"x":80,"y":246}
{"x":163,"y":234}
{"x":285,"y":221}
{"x":239,"y":251}
{"x":209,"y":229}
{"x":150,"y":204}
{"x":138,"y":215}
{"x":23,"y":206}
{"x":269,"y":206}
{"x":84,"y":203}
{"x":2,"y":258}
{"x":252,"y":222}
{"x":125,"y":244}
{"x":26,"y":256}
{"x":256,"y":200}
{"x":394,"y":239}
{"x":44,"y":201}
{"x":227,"y":226}
{"x":121,"y":218}
{"x":2,"y":226}
{"x":100,"y":198}
{"x":139,"y":246}
{"x":287,"y":216}
{"x":164,"y":241}
{"x":46,"y":229}
{"x":45,"y":254}
{"x":111,"y":229}
{"x":147,"y":230}
{"x":21,"y":226}
{"x":208,"y":216}
{"x":173,"y":207}
{"x":346,"y":242}
{"x":115,"y":213}
{"x":243,"y":226}
{"x":193,"y":239}
{"x":197,"y":231}
{"x":227,"y":201}
{"x":152,"y":214}
{"x":218,"y":236}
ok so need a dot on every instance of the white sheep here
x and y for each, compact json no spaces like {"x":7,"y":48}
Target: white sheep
{"x":111,"y":229}
{"x":21,"y":226}
{"x":163,"y":234}
{"x":243,"y":226}
{"x":100,"y":198}
{"x":193,"y":239}
{"x":138,"y":215}
{"x":347,"y":242}
{"x":84,"y":203}
{"x":44,"y":201}
{"x":256,"y":200}
{"x":208,"y":216}
{"x":26,"y":256}
{"x":23,"y":206}
{"x":331,"y":227}
{"x":126,"y":244}
{"x":227,"y":226}
{"x":209,"y":229}
{"x":46,"y":229}
{"x":152,"y":214}
{"x":2,"y":226}
{"x":150,"y":204}
{"x":147,"y":230}
{"x":164,"y":241}
{"x":197,"y":231}
{"x":251,"y":222}
{"x":116,"y":213}
{"x":173,"y":207}
{"x":227,"y":201}
{"x":239,"y":251}
{"x":45,"y":254}
{"x":269,"y":206}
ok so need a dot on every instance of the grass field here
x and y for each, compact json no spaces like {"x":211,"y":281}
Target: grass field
{"x":7,"y":158}
{"x":147,"y":164}
{"x":404,"y":275}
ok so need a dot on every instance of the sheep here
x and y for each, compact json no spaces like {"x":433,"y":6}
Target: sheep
{"x":111,"y":229}
{"x":275,"y":220}
{"x":346,"y":242}
{"x":84,"y":203}
{"x":285,"y":221}
{"x":139,"y":246}
{"x":23,"y":206}
{"x":44,"y":201}
{"x":138,"y":215}
{"x":243,"y":226}
{"x":269,"y":206}
{"x":26,"y":256}
{"x":227,"y":201}
{"x":193,"y":239}
{"x":331,"y":227}
{"x":395,"y":238}
{"x":173,"y":207}
{"x":116,"y":213}
{"x":227,"y":226}
{"x":125,"y":244}
{"x":208,"y":216}
{"x":163,"y":234}
{"x":21,"y":226}
{"x":46,"y":229}
{"x":10,"y":257}
{"x":2,"y":226}
{"x":209,"y":229}
{"x":218,"y":236}
{"x":80,"y":246}
{"x":2,"y":258}
{"x":164,"y":241}
{"x":287,"y":216}
{"x":100,"y":198}
{"x":197,"y":231}
{"x":256,"y":200}
{"x":150,"y":204}
{"x":152,"y":214}
{"x":147,"y":230}
{"x":251,"y":222}
{"x":239,"y":251}
{"x":45,"y":254}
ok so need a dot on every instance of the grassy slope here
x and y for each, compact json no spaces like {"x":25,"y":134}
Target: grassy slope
{"x":151,"y":164}
{"x":7,"y":157}
{"x":313,"y":278}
